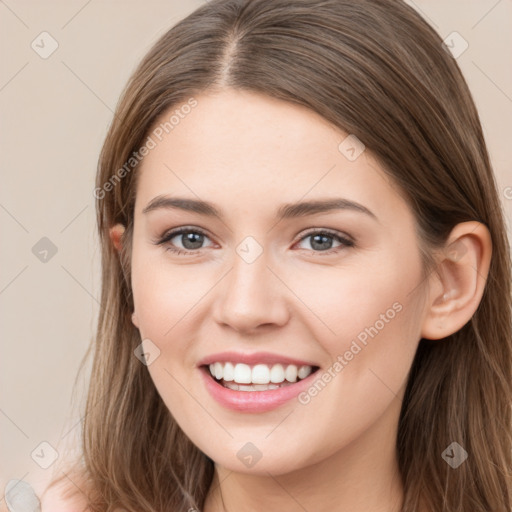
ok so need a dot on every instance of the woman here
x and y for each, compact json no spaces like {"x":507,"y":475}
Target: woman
{"x":306,"y":298}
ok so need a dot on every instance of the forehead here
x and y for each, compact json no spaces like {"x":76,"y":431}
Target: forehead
{"x":241,"y":147}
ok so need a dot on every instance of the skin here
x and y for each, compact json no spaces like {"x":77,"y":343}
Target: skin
{"x":248,"y":154}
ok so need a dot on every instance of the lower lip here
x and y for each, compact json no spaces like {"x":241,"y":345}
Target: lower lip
{"x":253,"y":401}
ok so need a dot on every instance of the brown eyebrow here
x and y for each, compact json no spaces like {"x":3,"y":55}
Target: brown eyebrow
{"x":286,"y":211}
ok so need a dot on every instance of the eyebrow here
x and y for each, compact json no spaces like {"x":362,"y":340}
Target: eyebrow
{"x":286,"y":211}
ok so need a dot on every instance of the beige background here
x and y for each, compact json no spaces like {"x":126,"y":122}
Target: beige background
{"x":54,"y":115}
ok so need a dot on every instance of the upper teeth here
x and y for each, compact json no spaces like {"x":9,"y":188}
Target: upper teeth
{"x":259,"y":374}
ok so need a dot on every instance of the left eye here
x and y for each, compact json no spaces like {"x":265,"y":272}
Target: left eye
{"x":322,"y":240}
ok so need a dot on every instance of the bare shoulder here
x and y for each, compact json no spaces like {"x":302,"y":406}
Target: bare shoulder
{"x":63,"y":496}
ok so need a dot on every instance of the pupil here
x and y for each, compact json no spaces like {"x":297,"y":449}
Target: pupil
{"x":194,"y":239}
{"x":325,"y":244}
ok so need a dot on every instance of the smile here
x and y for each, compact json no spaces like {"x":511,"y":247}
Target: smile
{"x":259,"y":377}
{"x":255,"y":388}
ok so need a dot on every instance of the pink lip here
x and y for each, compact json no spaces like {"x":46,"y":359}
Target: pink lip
{"x":253,"y":401}
{"x":252,"y":359}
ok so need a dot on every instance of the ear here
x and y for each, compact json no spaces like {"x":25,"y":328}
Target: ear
{"x":456,"y":287}
{"x":116,"y":232}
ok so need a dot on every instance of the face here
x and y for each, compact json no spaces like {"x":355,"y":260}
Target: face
{"x":313,"y":312}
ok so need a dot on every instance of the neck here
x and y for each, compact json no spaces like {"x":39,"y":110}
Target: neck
{"x":362,"y":476}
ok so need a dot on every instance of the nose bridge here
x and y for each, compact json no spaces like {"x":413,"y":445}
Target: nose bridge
{"x":250,"y":295}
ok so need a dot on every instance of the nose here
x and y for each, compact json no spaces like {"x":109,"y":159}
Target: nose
{"x":251,"y":297}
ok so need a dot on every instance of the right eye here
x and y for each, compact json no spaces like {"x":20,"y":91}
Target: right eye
{"x":190,"y":238}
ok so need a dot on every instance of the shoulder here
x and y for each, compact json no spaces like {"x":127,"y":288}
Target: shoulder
{"x":63,"y":496}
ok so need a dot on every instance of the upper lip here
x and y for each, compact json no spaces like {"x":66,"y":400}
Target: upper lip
{"x":252,"y":359}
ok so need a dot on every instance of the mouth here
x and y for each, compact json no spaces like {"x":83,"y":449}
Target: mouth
{"x":260,"y":377}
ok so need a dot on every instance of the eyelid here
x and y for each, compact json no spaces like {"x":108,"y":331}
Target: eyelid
{"x":327,"y":231}
{"x":171,"y":233}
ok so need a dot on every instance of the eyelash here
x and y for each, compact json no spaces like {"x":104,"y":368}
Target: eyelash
{"x":347,"y":242}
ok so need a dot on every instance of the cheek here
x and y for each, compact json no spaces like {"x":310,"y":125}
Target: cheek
{"x":356,"y":301}
{"x":165,"y":294}
{"x":367,"y":321}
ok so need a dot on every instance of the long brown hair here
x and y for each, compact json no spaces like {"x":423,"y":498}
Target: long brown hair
{"x":375,"y":69}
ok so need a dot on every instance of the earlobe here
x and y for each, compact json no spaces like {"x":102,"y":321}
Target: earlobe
{"x":135,"y":320}
{"x":116,"y":233}
{"x":457,"y":285}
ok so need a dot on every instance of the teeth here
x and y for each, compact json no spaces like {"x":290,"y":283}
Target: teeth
{"x":304,"y":371}
{"x":218,"y":371}
{"x":277,"y":373}
{"x":242,"y":374}
{"x":254,"y":387}
{"x":228,"y":373}
{"x":291,"y":373}
{"x":260,"y":375}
